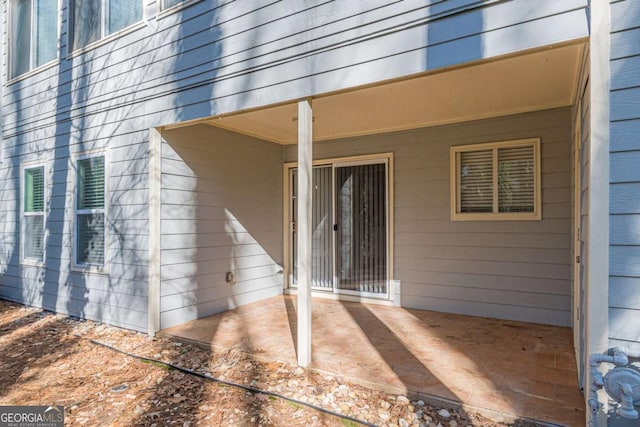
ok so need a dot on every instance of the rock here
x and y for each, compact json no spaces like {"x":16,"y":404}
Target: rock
{"x":419,"y":403}
{"x":384,"y":415}
{"x":298,"y":371}
{"x":402,"y":400}
{"x":403,"y":423}
{"x":384,"y":404}
{"x":444,"y":413}
{"x":453,"y":423}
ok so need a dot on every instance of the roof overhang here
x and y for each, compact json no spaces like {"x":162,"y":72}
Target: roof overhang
{"x":531,"y":82}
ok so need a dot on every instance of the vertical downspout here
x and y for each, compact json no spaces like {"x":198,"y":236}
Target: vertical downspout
{"x":597,"y":286}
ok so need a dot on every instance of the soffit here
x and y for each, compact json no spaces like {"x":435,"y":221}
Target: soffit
{"x":536,"y":81}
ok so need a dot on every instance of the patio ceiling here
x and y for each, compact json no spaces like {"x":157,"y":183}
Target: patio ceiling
{"x":536,"y":81}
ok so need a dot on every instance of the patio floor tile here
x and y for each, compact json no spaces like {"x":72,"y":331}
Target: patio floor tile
{"x":521,"y":369}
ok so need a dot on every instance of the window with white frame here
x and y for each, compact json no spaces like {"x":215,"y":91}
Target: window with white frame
{"x":96,"y":19}
{"x":33,"y":39}
{"x":165,"y":4}
{"x":496,"y":181}
{"x":33,"y":213}
{"x":90,"y":212}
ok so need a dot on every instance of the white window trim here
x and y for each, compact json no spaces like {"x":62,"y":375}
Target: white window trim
{"x":10,"y":80}
{"x":495,"y":216}
{"x":75,"y":266}
{"x":71,"y":53}
{"x":24,"y":167}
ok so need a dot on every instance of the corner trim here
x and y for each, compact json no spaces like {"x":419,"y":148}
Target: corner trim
{"x":597,"y":286}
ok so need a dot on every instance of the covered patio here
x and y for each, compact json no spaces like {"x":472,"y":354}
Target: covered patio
{"x":518,"y":369}
{"x":237,"y":225}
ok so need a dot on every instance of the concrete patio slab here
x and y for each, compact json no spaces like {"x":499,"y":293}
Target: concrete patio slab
{"x":519,"y":369}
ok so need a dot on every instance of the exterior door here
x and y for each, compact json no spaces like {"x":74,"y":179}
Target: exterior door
{"x":361,"y":229}
{"x":350,"y":233}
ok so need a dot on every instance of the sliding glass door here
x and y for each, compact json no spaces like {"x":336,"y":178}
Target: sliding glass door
{"x":350,"y":228}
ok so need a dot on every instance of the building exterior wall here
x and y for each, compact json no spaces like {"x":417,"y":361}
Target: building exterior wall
{"x":211,"y":58}
{"x":118,"y":295}
{"x":215,"y":57}
{"x":624,"y":281}
{"x":507,"y":269}
{"x":221,"y":211}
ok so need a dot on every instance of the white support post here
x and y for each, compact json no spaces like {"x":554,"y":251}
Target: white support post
{"x":155,"y":146}
{"x":304,"y":229}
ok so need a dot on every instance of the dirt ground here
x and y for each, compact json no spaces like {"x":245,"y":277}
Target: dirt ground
{"x":49,"y":359}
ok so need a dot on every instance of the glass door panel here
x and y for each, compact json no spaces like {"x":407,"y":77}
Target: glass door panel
{"x":361,"y":228}
{"x":322,"y":242}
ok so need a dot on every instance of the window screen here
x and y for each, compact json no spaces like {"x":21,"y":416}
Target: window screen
{"x":96,"y":19}
{"x":169,"y":3}
{"x":476,"y":181}
{"x":34,"y":34}
{"x":498,"y":180}
{"x":33,"y":214}
{"x":516,"y":180}
{"x":90,"y":212}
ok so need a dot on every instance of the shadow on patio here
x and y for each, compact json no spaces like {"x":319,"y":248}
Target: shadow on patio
{"x":519,"y":369}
